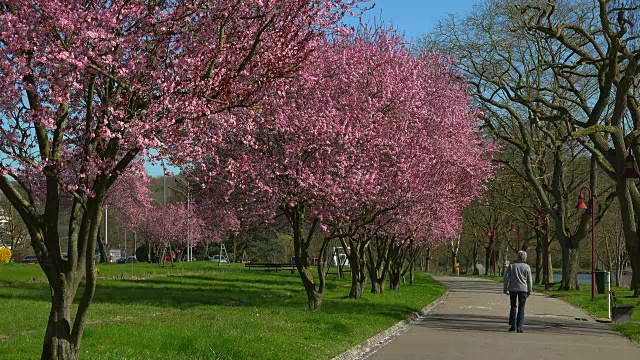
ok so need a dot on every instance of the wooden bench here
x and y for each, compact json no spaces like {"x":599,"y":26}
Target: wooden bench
{"x":268,"y":266}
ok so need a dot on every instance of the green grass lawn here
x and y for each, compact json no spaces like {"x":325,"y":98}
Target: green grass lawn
{"x":202,"y":311}
{"x":598,"y":307}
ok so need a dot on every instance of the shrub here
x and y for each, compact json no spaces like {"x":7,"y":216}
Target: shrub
{"x":5,"y":255}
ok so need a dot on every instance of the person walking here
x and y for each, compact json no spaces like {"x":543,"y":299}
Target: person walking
{"x":517,"y":284}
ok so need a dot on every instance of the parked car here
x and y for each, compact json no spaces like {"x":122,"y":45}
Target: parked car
{"x":129,"y":260}
{"x":31,"y":259}
{"x":218,"y":258}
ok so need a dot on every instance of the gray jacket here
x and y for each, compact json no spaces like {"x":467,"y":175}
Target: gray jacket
{"x":518,"y":277}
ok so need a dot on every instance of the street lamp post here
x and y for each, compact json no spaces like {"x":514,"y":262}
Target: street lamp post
{"x":592,"y":208}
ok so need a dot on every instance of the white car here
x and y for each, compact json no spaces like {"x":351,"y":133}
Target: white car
{"x":218,"y":258}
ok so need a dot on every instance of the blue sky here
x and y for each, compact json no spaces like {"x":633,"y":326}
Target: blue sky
{"x":416,"y":17}
{"x":411,"y":17}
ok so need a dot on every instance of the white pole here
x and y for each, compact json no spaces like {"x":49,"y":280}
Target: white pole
{"x":609,"y":294}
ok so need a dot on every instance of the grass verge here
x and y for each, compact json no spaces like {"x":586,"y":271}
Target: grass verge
{"x":598,"y":307}
{"x":202,"y":311}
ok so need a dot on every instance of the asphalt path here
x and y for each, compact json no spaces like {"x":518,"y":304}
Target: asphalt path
{"x":471,"y":323}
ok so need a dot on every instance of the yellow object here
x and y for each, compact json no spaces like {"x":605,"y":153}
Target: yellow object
{"x":457,"y":267}
{"x":5,"y":255}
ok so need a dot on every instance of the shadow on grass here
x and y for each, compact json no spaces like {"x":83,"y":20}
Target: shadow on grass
{"x":291,"y":281}
{"x":177,"y":293}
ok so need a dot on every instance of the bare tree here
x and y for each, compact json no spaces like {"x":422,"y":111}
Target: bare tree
{"x":512,"y":72}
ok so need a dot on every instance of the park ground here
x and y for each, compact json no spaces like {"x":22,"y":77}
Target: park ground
{"x":202,"y":311}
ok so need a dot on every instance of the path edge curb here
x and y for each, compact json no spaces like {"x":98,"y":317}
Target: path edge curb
{"x":382,"y":338}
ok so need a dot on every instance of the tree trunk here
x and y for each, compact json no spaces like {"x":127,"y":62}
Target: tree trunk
{"x":618,"y":274}
{"x":357,"y":285}
{"x":378,"y":263}
{"x":301,"y":249}
{"x":57,"y":341}
{"x":314,"y":298}
{"x":394,"y":280}
{"x":629,"y":201}
{"x":104,"y":258}
{"x":64,"y":331}
{"x":377,"y":276}
{"x":487,"y":260}
{"x":358,"y":279}
{"x":377,"y":287}
{"x":377,"y":279}
{"x":357,"y":263}
{"x":453,"y":261}
{"x":569,"y":269}
{"x":549,"y":265}
{"x":411,"y":274}
{"x":634,"y":260}
{"x":539,"y":266}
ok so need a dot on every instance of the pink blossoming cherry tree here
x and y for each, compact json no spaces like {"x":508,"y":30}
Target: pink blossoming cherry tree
{"x":365,"y":127}
{"x":87,"y":86}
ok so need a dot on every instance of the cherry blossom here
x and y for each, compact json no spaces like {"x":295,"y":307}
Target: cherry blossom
{"x":88,"y":87}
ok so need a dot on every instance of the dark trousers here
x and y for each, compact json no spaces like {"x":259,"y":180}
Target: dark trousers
{"x":522,"y":299}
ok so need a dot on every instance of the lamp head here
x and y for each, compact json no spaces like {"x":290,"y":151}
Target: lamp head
{"x":581,"y":204}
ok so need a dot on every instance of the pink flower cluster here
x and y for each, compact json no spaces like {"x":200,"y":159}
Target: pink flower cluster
{"x":87,"y":86}
{"x":366,"y":127}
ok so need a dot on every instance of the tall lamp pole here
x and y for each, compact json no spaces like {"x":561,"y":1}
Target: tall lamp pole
{"x":592,"y":208}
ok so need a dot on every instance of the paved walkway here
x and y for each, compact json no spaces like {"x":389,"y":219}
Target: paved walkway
{"x":472,"y":324}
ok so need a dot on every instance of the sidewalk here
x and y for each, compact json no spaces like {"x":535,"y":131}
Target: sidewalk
{"x":472,"y":324}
